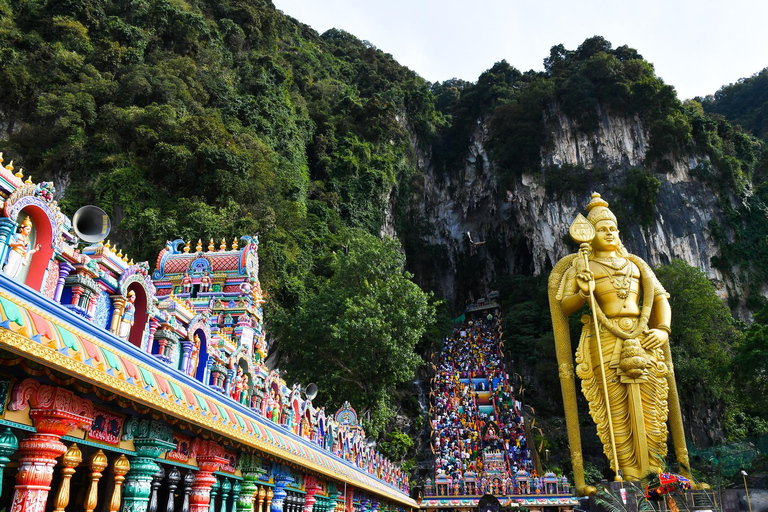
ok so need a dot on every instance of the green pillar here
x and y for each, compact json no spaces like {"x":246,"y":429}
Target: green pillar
{"x":225,"y":488}
{"x":250,"y":467}
{"x":150,"y":440}
{"x":214,"y":492}
{"x":236,"y":488}
{"x":8,"y":446}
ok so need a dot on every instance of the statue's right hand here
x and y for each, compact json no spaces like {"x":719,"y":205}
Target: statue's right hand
{"x":582,"y":280}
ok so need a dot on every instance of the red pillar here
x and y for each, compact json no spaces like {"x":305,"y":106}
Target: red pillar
{"x":350,"y":496}
{"x":55,"y":412}
{"x":311,"y":486}
{"x":210,"y":457}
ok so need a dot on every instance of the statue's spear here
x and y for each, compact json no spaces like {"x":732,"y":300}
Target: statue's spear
{"x":583,"y":232}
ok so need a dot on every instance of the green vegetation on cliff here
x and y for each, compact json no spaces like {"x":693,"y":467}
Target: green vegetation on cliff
{"x":744,"y":103}
{"x":216,"y":118}
{"x":221,"y":118}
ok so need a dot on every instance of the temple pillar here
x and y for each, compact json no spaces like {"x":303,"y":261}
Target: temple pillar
{"x":99,"y":463}
{"x":71,"y":459}
{"x":349,"y":504}
{"x":214,"y":492}
{"x":55,"y":412}
{"x":119,"y":469}
{"x":270,"y":495}
{"x":157,"y":481}
{"x":230,"y":381}
{"x":261,"y":495}
{"x":186,"y":352}
{"x":225,"y":488}
{"x":92,"y":299}
{"x":210,"y":457}
{"x":188,"y":483}
{"x":7,"y":227}
{"x":155,"y":439}
{"x":311,"y":486}
{"x":236,"y":489}
{"x":173,"y":482}
{"x":118,"y":304}
{"x":65,"y":268}
{"x":281,"y":481}
{"x":250,"y":470}
{"x":154,"y":325}
{"x":8,"y":446}
{"x":77,"y":292}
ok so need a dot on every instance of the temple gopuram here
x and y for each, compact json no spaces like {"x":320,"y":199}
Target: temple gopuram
{"x":128,"y":388}
{"x":480,"y":438}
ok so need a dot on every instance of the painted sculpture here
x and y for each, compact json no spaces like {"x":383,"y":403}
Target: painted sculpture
{"x":627,"y":358}
{"x":20,"y":250}
{"x":128,"y":316}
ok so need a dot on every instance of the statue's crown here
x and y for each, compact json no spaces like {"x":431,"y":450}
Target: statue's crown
{"x":27,"y":222}
{"x":598,"y":210}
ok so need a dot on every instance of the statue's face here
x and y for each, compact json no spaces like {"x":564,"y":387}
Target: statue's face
{"x":25,"y":230}
{"x":606,"y":237}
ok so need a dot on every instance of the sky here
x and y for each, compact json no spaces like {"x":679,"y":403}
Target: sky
{"x":696,"y":46}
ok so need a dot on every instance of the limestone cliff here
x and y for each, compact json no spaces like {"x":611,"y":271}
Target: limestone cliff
{"x":524,"y":229}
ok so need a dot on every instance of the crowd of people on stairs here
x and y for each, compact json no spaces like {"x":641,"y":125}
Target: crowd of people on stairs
{"x":478,"y":435}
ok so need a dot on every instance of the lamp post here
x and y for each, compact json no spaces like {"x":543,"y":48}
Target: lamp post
{"x":744,"y":475}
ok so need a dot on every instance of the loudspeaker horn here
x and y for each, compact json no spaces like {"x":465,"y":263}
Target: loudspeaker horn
{"x":91,"y":224}
{"x":311,"y":391}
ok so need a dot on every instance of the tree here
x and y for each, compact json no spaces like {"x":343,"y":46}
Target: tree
{"x":356,"y":334}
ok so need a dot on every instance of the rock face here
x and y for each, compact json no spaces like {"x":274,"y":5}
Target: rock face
{"x":525,"y":229}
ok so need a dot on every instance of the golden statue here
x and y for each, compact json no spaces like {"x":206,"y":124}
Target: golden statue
{"x":627,"y":358}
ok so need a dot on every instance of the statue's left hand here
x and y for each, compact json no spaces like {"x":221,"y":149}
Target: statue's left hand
{"x":654,"y":338}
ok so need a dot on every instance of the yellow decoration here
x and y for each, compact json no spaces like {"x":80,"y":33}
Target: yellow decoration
{"x":108,"y":245}
{"x":29,"y":181}
{"x":98,"y":464}
{"x":21,"y":343}
{"x":234,"y":244}
{"x":20,"y":174}
{"x":211,"y":247}
{"x":223,"y":246}
{"x":120,"y":254}
{"x":119,"y":469}
{"x":9,"y":167}
{"x":186,"y":248}
{"x":627,"y":358}
{"x":1,"y":157}
{"x":130,"y":263}
{"x":70,"y":460}
{"x":199,"y":246}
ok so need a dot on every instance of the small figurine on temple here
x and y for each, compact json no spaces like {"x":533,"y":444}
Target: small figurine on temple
{"x":246,"y":288}
{"x":186,"y":283}
{"x":237,"y":385}
{"x":205,"y":282}
{"x":192,"y":368}
{"x":127,"y":318}
{"x":20,"y":252}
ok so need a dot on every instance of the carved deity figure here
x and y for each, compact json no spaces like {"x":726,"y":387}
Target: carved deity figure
{"x":20,"y":252}
{"x":237,"y":385}
{"x":205,"y":282}
{"x":623,"y":352}
{"x":128,"y":316}
{"x":186,"y":283}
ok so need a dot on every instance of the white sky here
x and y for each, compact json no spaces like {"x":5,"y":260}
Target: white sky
{"x":696,"y":46}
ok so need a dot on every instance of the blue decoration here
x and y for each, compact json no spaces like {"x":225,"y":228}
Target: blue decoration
{"x":103,"y":312}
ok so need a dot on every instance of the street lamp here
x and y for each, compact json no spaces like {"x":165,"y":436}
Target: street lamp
{"x":744,"y":475}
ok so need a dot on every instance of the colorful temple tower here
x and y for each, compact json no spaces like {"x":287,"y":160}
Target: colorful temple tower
{"x":131,"y":389}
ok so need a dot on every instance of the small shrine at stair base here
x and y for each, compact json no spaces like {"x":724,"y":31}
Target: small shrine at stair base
{"x":142,"y":387}
{"x":480,"y":431}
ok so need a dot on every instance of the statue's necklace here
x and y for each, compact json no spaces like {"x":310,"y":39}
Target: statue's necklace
{"x":620,"y":279}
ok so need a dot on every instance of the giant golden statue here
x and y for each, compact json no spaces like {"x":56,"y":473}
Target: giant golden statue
{"x":623,"y":353}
